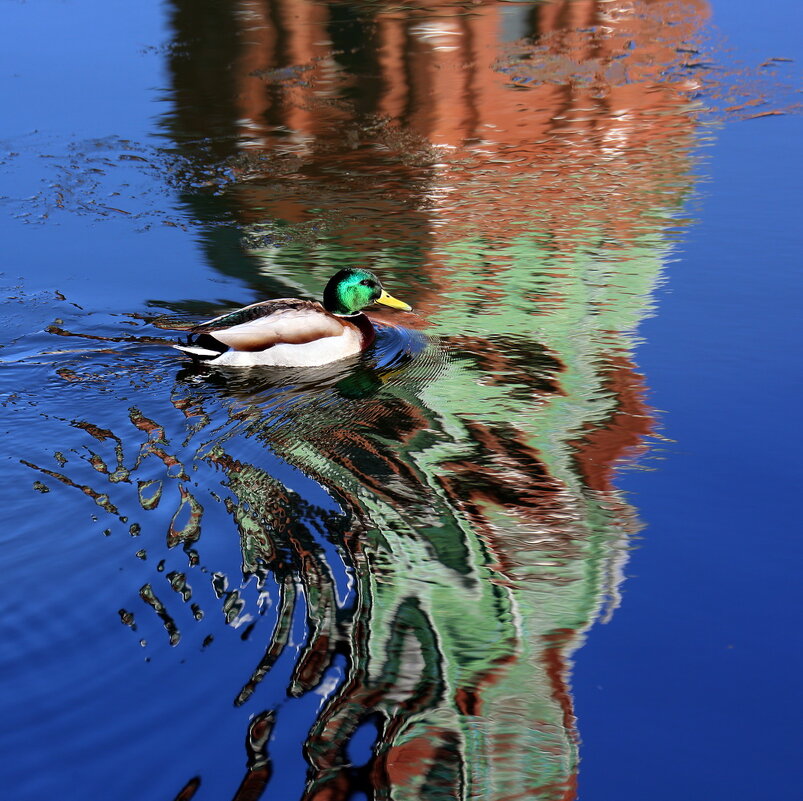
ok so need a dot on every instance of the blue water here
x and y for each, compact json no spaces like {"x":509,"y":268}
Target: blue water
{"x":437,"y":527}
{"x":692,"y":689}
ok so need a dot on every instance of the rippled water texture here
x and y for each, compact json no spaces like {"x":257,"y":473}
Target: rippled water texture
{"x":369,"y":581}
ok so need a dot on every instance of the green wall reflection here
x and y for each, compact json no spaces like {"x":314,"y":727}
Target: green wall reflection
{"x":518,"y":169}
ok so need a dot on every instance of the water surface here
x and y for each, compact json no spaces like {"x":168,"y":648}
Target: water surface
{"x":373,"y":581}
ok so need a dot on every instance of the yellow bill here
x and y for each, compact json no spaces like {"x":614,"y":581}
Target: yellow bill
{"x":389,"y":300}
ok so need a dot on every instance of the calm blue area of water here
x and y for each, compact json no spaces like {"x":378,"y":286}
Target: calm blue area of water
{"x":388,"y":580}
{"x":693,"y":689}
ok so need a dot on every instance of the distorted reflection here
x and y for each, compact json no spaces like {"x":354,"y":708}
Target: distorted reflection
{"x":437,"y":523}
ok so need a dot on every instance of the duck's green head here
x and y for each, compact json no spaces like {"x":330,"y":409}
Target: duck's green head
{"x":352,"y":289}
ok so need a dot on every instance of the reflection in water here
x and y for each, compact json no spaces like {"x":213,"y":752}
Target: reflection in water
{"x":437,"y":525}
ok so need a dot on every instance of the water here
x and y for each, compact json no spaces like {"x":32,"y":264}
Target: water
{"x":380,"y":580}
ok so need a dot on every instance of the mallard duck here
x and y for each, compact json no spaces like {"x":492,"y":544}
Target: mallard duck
{"x":289,"y":332}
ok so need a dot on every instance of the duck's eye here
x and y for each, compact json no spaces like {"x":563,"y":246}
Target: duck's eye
{"x":366,"y":282}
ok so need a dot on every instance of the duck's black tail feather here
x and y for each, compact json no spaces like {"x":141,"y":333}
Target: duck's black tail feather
{"x":202,"y":346}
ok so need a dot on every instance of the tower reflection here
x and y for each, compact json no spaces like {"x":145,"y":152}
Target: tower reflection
{"x":520,"y":168}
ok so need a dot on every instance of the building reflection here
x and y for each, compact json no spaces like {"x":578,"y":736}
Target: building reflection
{"x":519,"y":168}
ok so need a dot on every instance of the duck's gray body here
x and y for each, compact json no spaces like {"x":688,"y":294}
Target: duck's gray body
{"x":286,"y":332}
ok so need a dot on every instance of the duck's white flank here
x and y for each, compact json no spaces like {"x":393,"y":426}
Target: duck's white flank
{"x":307,"y":354}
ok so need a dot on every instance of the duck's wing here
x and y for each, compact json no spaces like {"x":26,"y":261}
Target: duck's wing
{"x":262,"y":325}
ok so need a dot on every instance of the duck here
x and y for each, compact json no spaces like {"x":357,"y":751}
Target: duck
{"x":290,"y":332}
